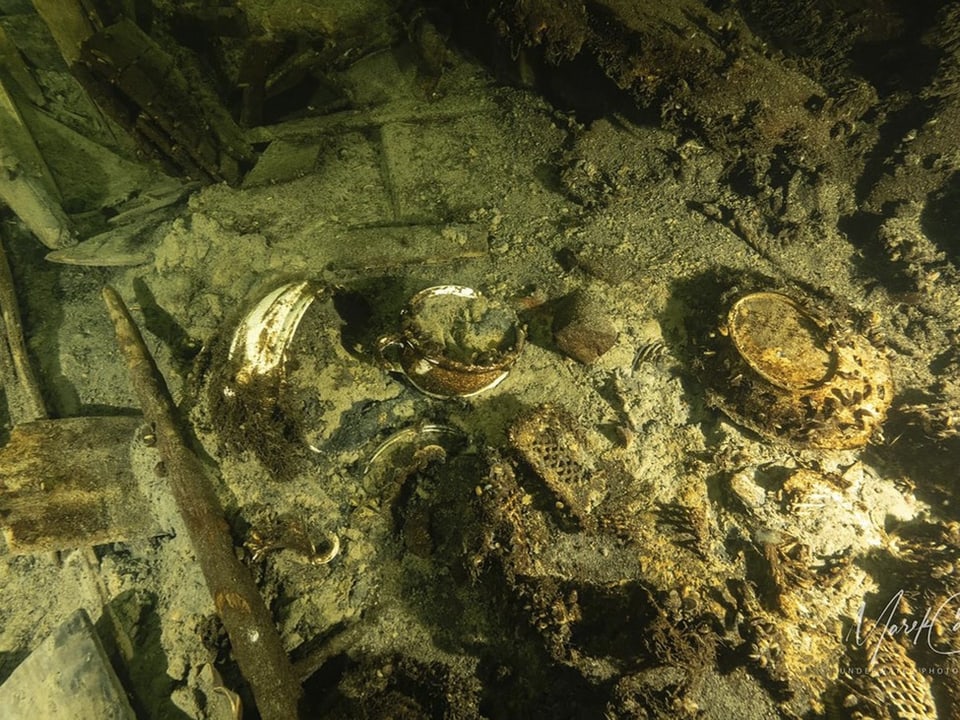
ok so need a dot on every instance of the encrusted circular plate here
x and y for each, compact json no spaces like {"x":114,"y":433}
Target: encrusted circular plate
{"x":458,"y":327}
{"x":780,"y":341}
{"x":795,"y":371}
{"x":453,"y":341}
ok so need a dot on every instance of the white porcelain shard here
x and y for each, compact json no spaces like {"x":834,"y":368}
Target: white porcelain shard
{"x":260,"y":343}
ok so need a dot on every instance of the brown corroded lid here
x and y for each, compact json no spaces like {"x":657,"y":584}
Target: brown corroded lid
{"x":780,"y":341}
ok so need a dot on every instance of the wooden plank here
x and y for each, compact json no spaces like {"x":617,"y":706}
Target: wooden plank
{"x":391,"y":246}
{"x":25,"y":387}
{"x":68,"y":483}
{"x":119,"y":247}
{"x":12,"y":62}
{"x":69,"y":24}
{"x":26,"y":184}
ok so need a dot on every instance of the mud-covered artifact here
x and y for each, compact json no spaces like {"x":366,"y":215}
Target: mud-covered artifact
{"x":534,"y":518}
{"x":550,"y":441}
{"x":887,"y":683}
{"x":260,"y":343}
{"x":246,"y":392}
{"x":582,"y":328}
{"x":401,"y":686}
{"x":795,"y":372}
{"x":926,"y":583}
{"x":453,"y":341}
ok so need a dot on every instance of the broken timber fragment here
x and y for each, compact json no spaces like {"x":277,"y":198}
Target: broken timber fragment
{"x":13,"y":64}
{"x":64,"y":483}
{"x":26,"y":184}
{"x":69,"y":24}
{"x":140,"y":85}
{"x":67,"y":483}
{"x":701,"y":69}
{"x":126,"y":243}
{"x":21,"y":386}
{"x":253,"y":636}
{"x":134,"y":81}
{"x":117,"y":247}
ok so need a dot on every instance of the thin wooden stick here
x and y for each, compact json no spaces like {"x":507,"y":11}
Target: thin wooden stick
{"x":253,"y":636}
{"x":27,"y":381}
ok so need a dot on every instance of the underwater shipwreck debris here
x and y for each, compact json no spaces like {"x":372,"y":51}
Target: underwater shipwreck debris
{"x":453,"y":341}
{"x":144,"y":89}
{"x":796,"y":372}
{"x":549,"y":439}
{"x":67,"y":676}
{"x":63,"y":484}
{"x":399,"y":685}
{"x":260,"y":342}
{"x":292,"y":534}
{"x":247,"y":388}
{"x":253,"y":636}
{"x":598,"y":567}
{"x":67,"y":483}
{"x":409,"y":449}
{"x":582,"y":328}
{"x":549,"y":530}
{"x":884,"y":680}
{"x":133,"y":79}
{"x":26,"y":183}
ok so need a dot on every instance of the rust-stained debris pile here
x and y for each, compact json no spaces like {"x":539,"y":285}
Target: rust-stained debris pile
{"x":489,"y":359}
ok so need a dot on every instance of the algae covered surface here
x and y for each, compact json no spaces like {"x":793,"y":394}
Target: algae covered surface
{"x":581,"y":540}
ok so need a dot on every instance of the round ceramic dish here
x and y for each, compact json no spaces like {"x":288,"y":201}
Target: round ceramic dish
{"x":453,"y":342}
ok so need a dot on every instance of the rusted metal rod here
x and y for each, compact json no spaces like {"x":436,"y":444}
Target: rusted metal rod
{"x":253,"y":636}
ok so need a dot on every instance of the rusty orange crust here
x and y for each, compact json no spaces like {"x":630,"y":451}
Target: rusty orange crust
{"x":231,"y":600}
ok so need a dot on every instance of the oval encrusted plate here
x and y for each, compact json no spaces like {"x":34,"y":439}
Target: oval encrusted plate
{"x":796,"y":372}
{"x":781,"y":342}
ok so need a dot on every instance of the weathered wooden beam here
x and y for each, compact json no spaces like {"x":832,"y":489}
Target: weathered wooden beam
{"x":83,"y":494}
{"x":69,"y":24}
{"x":26,"y":184}
{"x":142,"y":88}
{"x":16,"y":348}
{"x":254,"y":638}
{"x":12,"y":62}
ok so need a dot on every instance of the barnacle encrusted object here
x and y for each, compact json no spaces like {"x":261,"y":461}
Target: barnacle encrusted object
{"x":796,"y":372}
{"x":551,"y":441}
